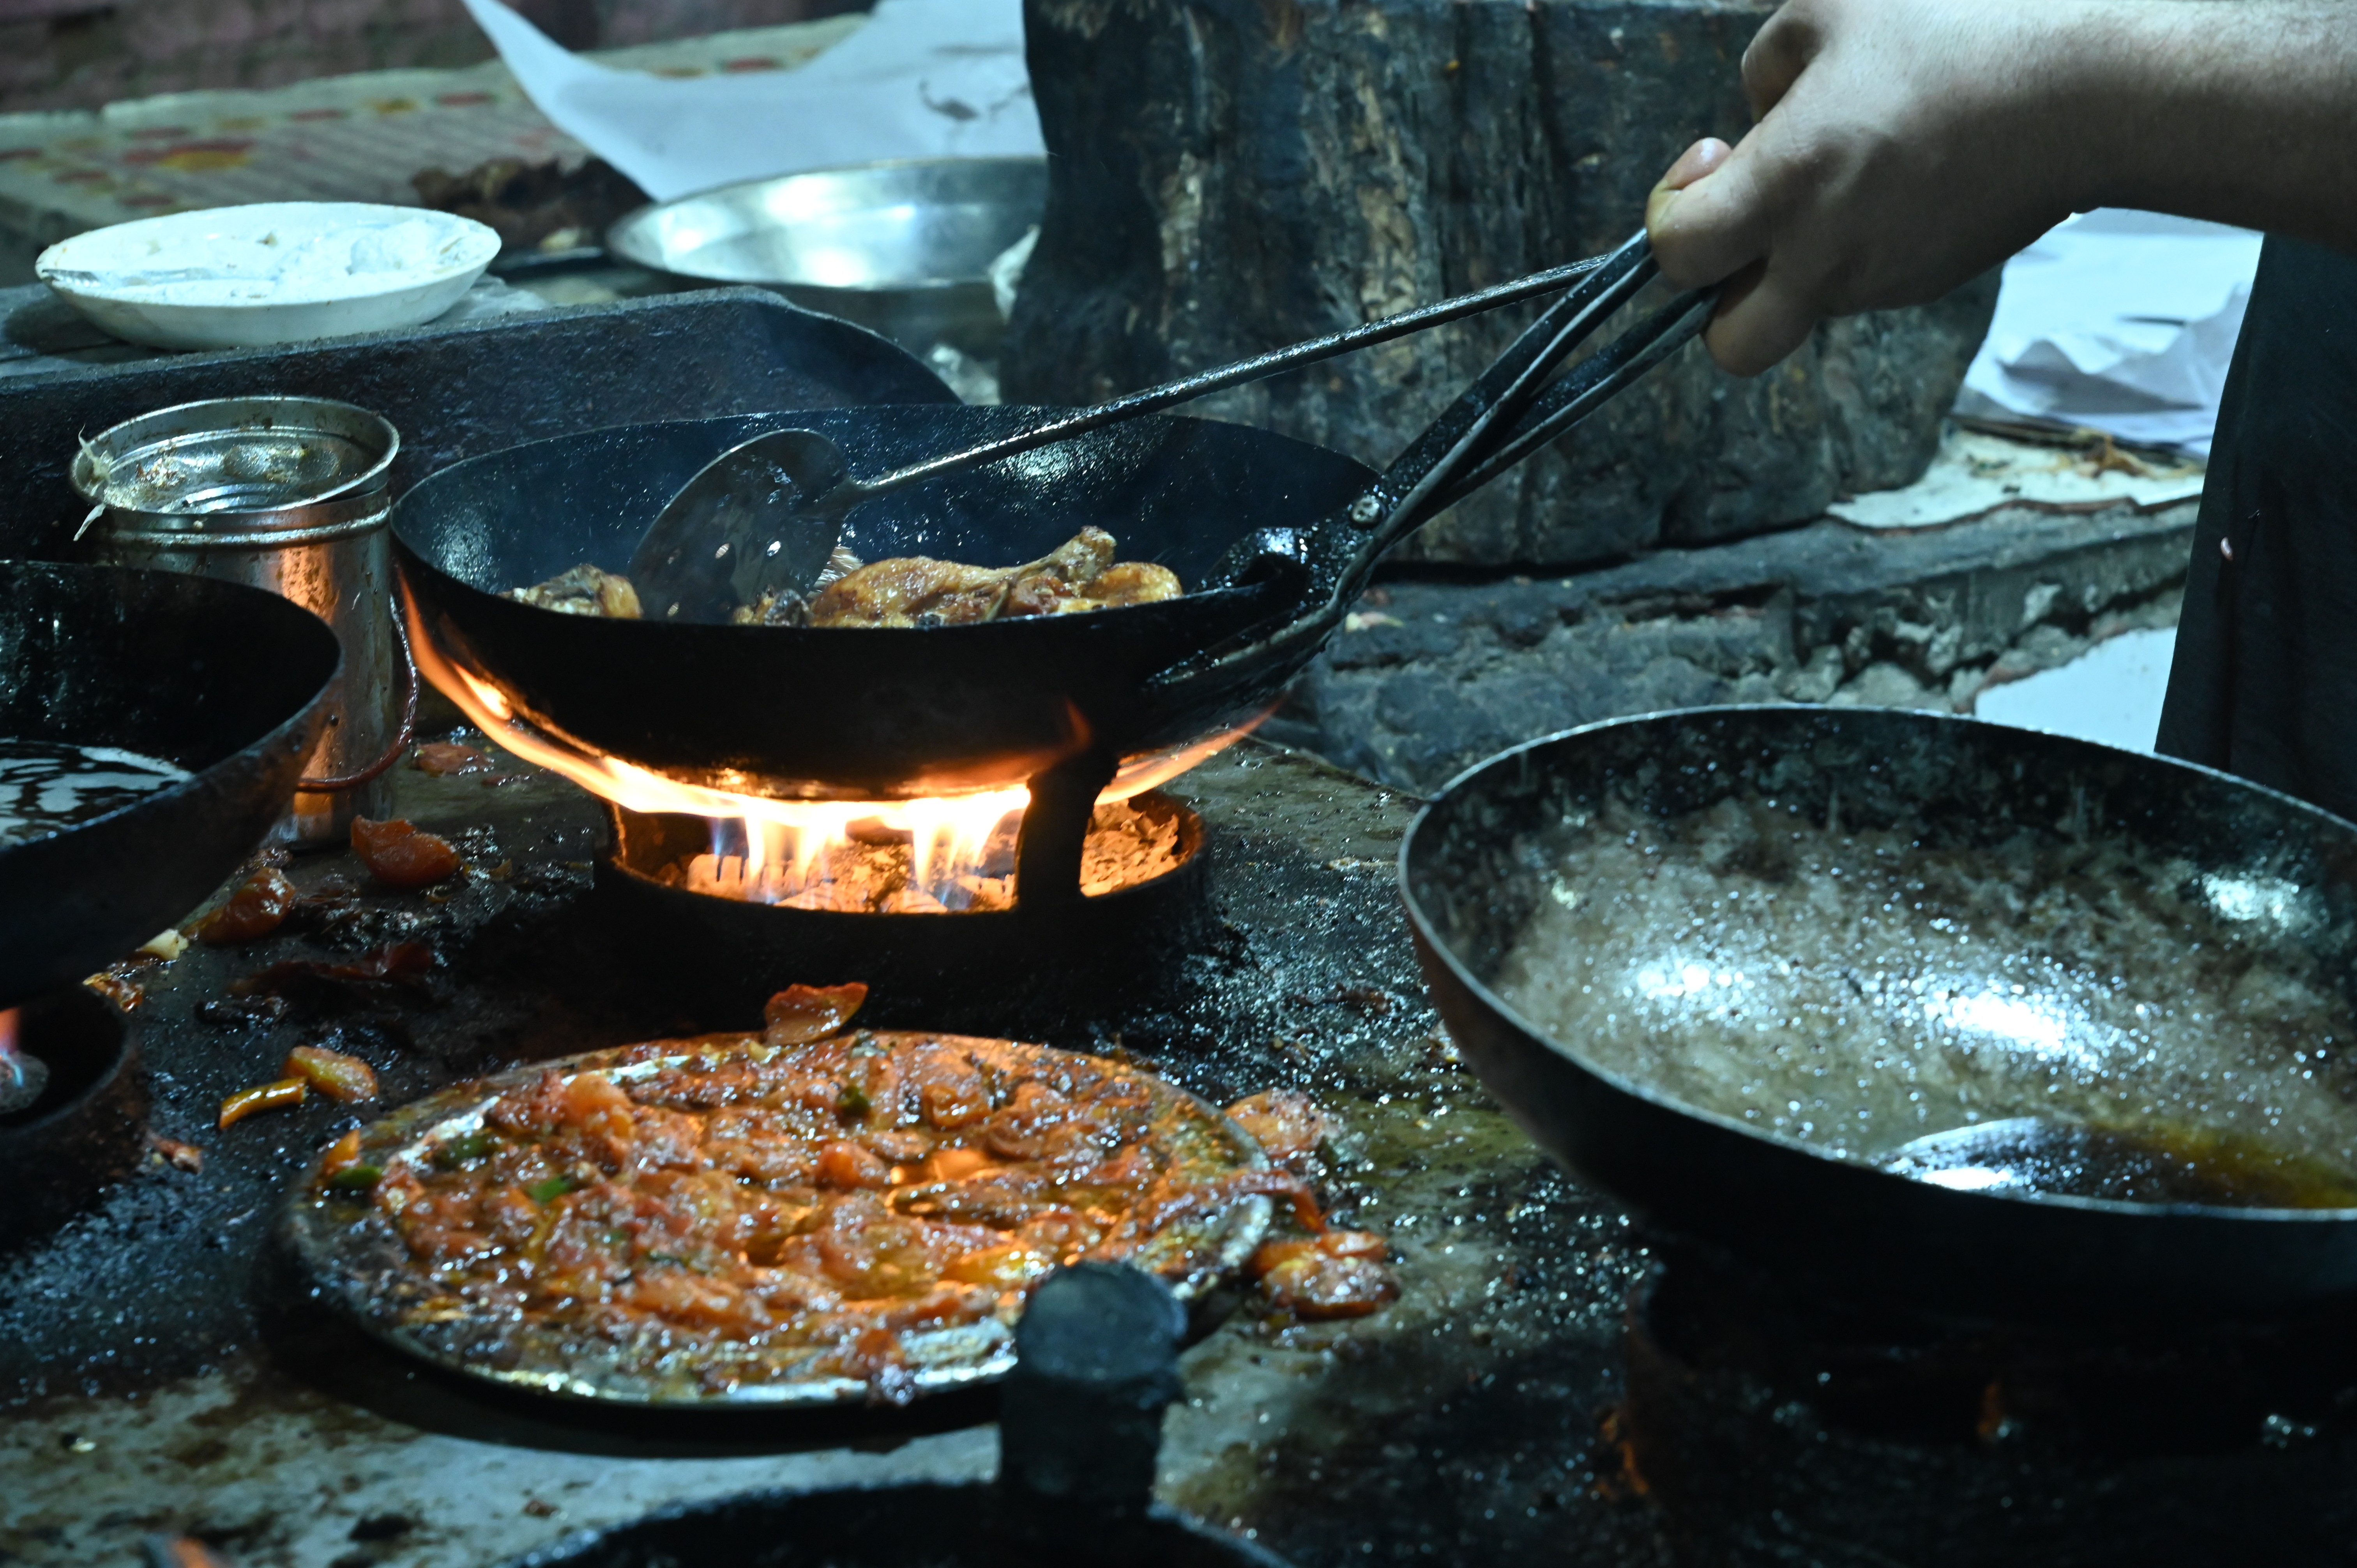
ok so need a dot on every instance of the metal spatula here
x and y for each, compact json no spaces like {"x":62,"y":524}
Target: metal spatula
{"x":762,"y":518}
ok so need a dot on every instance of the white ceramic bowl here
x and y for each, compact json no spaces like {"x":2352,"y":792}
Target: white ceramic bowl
{"x":277,"y":272}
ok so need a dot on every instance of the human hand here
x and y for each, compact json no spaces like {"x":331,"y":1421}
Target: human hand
{"x":1902,"y":146}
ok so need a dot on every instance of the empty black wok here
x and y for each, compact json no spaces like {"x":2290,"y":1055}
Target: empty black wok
{"x":223,"y":680}
{"x":1745,"y":967}
{"x":868,"y":713}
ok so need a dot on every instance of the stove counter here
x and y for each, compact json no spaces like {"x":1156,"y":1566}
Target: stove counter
{"x":170,"y":1380}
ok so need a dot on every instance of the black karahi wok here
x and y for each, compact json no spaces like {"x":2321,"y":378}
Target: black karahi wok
{"x":1874,"y":997}
{"x":1272,"y":538}
{"x":223,"y":680}
{"x":875,"y":714}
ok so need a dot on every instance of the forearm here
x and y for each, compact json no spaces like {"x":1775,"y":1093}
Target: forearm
{"x":2244,"y":111}
{"x":1903,"y":145}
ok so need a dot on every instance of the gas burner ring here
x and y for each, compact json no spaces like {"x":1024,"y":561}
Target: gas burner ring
{"x":989,"y":970}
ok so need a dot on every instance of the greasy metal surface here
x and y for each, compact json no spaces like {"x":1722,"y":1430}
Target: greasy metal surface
{"x":165,"y":1375}
{"x":213,"y":677}
{"x":357,"y":1260}
{"x":1771,"y":1426}
{"x":470,"y":387}
{"x":233,"y":455}
{"x":974,"y":1526}
{"x":347,"y":580}
{"x":1079,"y":1429}
{"x":1812,"y":936}
{"x":903,"y":247}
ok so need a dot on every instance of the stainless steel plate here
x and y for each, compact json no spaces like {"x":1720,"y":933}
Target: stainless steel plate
{"x":902,"y":247}
{"x":363,"y":1269}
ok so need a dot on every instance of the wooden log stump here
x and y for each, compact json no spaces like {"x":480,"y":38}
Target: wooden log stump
{"x":1231,"y":175}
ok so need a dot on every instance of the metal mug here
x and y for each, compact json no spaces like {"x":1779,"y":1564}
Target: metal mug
{"x":288,"y":494}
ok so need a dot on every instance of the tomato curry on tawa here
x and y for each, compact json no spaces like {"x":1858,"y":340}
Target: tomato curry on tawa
{"x":803,"y":1215}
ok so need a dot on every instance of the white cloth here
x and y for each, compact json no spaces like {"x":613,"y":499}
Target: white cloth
{"x":921,"y":79}
{"x":2119,"y":321}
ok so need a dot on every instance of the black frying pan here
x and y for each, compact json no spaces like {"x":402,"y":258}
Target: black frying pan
{"x":1274,"y":538}
{"x":223,"y":680}
{"x":2089,"y":955}
{"x":877,"y":713}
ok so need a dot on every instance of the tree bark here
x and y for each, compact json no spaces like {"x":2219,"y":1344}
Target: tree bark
{"x":1229,"y":176}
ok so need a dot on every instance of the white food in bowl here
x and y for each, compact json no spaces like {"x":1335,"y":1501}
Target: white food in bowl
{"x":271,"y":272}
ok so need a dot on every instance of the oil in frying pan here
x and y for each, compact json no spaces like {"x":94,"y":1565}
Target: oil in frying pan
{"x":1854,"y":990}
{"x":2037,"y":1156}
{"x":46,"y":786}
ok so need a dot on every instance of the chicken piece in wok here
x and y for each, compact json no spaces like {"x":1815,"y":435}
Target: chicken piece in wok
{"x":917,"y":591}
{"x":786,"y":608}
{"x":585,"y":590}
{"x":905,"y":591}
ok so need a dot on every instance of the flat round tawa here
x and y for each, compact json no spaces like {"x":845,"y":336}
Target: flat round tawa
{"x":362,"y":1266}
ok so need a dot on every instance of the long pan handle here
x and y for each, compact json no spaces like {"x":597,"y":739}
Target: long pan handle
{"x":1508,"y":413}
{"x":1420,"y":482}
{"x":1588,"y":386}
{"x":1169,"y":394}
{"x":1505,"y":416}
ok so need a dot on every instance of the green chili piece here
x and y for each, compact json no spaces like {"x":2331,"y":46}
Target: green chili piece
{"x":551,"y":1189}
{"x":466,"y":1149}
{"x":854,"y":1100}
{"x":354,"y":1177}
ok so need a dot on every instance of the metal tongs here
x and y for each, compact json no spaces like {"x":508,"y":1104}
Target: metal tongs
{"x":762,"y":518}
{"x":1514,"y":408}
{"x":1511,"y":411}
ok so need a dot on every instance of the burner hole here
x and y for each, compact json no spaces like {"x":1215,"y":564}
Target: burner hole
{"x":383,"y":1527}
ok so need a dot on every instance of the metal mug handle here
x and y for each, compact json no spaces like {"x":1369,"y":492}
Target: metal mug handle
{"x":402,"y":736}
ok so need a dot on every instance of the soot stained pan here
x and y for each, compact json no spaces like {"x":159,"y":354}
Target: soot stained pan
{"x":360,"y":1267}
{"x":1881,"y":997}
{"x":224,"y":681}
{"x":877,"y":713}
{"x":1272,"y":538}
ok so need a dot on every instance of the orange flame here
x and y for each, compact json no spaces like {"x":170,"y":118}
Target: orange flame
{"x":21,"y":1077}
{"x":783,"y":842}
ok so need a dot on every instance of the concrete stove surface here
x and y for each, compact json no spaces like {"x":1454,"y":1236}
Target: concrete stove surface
{"x":167,"y":1376}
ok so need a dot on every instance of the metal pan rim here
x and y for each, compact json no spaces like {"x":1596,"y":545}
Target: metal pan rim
{"x":416,"y":558}
{"x":198,"y":779}
{"x":308,"y":1233}
{"x":1635,"y":1090}
{"x":627,"y":235}
{"x":202,"y":417}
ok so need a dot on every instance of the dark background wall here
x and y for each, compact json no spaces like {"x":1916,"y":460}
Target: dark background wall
{"x":1227,"y":176}
{"x":79,"y":54}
